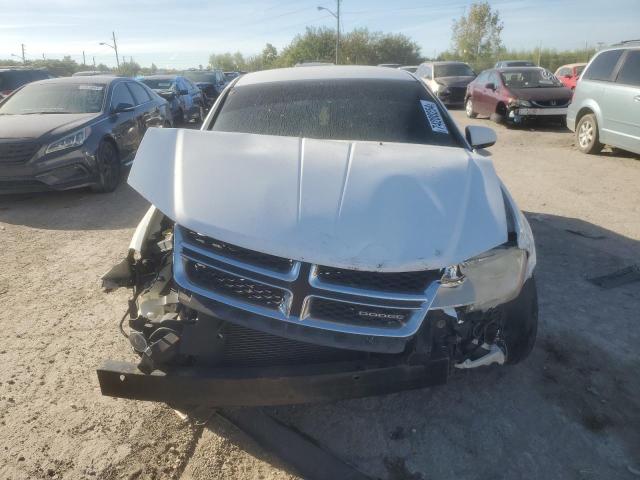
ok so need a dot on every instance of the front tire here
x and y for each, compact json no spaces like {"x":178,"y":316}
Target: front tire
{"x":108,"y":163}
{"x":468,"y":108}
{"x":587,"y":137}
{"x":521,"y":323}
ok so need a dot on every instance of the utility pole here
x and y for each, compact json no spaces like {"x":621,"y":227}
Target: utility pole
{"x":94,"y":62}
{"x":115,"y":47}
{"x":84,"y":60}
{"x":24,"y":59}
{"x":336,"y":15}
{"x":338,"y":31}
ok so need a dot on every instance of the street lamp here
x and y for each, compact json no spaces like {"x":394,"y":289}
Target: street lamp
{"x":336,"y":15}
{"x":115,"y":48}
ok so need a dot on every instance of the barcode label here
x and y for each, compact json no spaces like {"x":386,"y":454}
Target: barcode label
{"x":434,"y":117}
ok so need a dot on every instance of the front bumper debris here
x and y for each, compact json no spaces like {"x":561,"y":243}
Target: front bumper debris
{"x":259,"y":386}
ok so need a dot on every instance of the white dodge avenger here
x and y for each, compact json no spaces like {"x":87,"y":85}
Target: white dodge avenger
{"x":328,"y":233}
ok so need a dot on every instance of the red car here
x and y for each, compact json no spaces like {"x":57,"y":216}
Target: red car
{"x":569,"y":74}
{"x":516,"y":94}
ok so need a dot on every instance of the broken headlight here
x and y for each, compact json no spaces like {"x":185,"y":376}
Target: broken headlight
{"x":484,"y":281}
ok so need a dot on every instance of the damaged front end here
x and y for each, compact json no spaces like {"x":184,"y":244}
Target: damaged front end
{"x":219,"y":324}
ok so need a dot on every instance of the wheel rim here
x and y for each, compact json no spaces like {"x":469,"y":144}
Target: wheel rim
{"x":586,"y":134}
{"x":469,"y":107}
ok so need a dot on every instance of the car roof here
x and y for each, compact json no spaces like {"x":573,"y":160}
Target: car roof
{"x":93,"y":79}
{"x":161,"y":77}
{"x":517,"y":69}
{"x":444,"y":62}
{"x":569,"y":65}
{"x":324,"y":73}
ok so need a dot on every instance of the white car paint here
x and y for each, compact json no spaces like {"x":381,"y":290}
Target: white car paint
{"x":359,"y":205}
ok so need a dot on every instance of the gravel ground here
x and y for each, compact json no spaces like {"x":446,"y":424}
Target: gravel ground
{"x":572,"y":410}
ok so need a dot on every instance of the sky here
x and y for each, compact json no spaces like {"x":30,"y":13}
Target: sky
{"x":184,"y":33}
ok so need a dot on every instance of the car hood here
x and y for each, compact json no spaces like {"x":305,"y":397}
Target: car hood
{"x":455,"y":81}
{"x":546,"y":93}
{"x":41,"y":125}
{"x":359,"y":205}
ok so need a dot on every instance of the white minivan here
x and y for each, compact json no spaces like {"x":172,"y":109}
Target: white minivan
{"x":605,"y":109}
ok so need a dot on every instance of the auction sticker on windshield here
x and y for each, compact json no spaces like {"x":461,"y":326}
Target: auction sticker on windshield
{"x":434,"y":117}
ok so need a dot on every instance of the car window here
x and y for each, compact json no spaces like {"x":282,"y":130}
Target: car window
{"x":55,"y":98}
{"x":452,"y":70}
{"x":158,"y":84}
{"x":120,"y":95}
{"x":563,"y":72}
{"x":482,"y":78}
{"x":602,"y":66}
{"x":140,"y":95}
{"x":630,"y":71}
{"x":494,"y":78}
{"x":338,"y":109}
{"x":530,"y":78}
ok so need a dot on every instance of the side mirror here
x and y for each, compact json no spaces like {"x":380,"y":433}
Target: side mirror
{"x":183,"y":92}
{"x":123,"y":107}
{"x":490,"y":86}
{"x":480,"y":137}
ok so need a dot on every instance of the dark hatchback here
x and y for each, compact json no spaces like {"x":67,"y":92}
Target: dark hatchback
{"x":211,"y":82}
{"x":517,"y":94}
{"x":74,"y":132}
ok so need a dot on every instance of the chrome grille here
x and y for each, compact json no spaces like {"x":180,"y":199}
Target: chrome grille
{"x":404,"y":282}
{"x":17,"y":152}
{"x":327,"y":298}
{"x":234,"y":286}
{"x":550,"y":103}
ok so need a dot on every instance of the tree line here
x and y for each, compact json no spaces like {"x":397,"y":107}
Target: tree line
{"x":475,"y":39}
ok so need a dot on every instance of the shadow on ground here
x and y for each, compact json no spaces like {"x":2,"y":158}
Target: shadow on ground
{"x":75,"y":209}
{"x":571,"y":410}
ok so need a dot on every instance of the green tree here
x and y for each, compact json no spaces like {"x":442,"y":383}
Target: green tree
{"x":315,"y":45}
{"x":357,"y":47}
{"x":269,"y":56}
{"x":129,"y":69}
{"x":476,"y":35}
{"x":227,"y":61}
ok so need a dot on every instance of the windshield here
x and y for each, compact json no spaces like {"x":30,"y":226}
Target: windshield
{"x":158,"y":84}
{"x":207,"y":77}
{"x":55,"y":98}
{"x":453,"y":70}
{"x":369,"y":110}
{"x":579,"y":69}
{"x":530,"y":78}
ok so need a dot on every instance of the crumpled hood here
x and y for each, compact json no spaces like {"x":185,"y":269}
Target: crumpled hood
{"x":39,"y":125}
{"x":359,"y":205}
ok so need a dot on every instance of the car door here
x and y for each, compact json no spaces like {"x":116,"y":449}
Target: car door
{"x":477,"y":92}
{"x":147,"y":112}
{"x":622,"y":100}
{"x":124,"y":126}
{"x":596,"y":79}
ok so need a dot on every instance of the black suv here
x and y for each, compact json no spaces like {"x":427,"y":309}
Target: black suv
{"x":211,"y":82}
{"x":13,"y":77}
